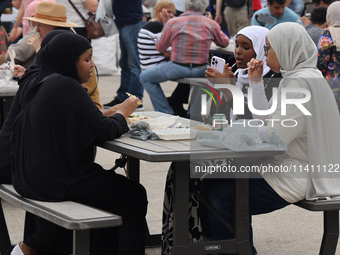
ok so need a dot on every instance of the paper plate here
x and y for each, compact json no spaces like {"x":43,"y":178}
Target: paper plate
{"x":160,"y":123}
{"x":176,"y":134}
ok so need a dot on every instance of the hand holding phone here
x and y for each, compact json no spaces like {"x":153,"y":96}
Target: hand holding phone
{"x":217,"y":64}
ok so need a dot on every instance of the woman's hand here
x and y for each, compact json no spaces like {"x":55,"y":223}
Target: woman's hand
{"x":216,"y":77}
{"x":208,"y":15}
{"x":164,"y":16}
{"x":255,"y":70}
{"x":19,"y":71}
{"x":110,"y":112}
{"x":14,"y":34}
{"x":167,"y":54}
{"x":128,"y":107}
{"x":35,"y":42}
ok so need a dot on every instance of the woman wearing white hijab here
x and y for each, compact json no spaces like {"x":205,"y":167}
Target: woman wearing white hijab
{"x":249,"y":43}
{"x":313,"y":143}
{"x":329,"y":50}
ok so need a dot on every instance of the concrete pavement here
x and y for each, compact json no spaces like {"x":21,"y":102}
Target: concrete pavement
{"x":292,"y":230}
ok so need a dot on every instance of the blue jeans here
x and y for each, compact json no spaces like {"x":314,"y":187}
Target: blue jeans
{"x":151,"y":78}
{"x":129,"y":62}
{"x":297,"y":6}
{"x":219,"y":193}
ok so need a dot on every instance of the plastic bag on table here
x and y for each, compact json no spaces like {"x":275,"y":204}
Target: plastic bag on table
{"x":241,"y":137}
{"x":141,"y":130}
{"x":6,"y":73}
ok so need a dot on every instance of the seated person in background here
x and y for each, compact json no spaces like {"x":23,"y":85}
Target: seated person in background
{"x":190,"y":36}
{"x":48,"y":15}
{"x":276,"y":9}
{"x":147,"y":36}
{"x":329,"y":50}
{"x":291,"y":51}
{"x":25,"y":55}
{"x":149,"y":56}
{"x":65,"y":137}
{"x":316,"y":24}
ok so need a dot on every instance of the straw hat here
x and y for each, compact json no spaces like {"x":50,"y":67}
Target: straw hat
{"x":51,"y":14}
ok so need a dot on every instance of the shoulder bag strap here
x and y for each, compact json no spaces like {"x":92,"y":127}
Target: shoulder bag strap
{"x":76,"y":9}
{"x":31,"y":93}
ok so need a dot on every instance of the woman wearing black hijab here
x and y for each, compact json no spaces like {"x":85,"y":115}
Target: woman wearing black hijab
{"x":53,"y":143}
{"x":25,"y":83}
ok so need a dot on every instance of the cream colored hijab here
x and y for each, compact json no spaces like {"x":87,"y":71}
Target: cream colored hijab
{"x":297,"y":56}
{"x":333,"y":21}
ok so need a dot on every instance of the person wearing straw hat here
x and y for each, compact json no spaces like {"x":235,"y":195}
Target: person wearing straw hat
{"x":47,"y":17}
{"x":26,"y":48}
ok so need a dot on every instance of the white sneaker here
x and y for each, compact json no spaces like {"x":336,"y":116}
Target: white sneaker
{"x":17,"y":250}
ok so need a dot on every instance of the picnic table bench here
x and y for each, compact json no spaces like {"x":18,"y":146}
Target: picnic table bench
{"x":69,"y":215}
{"x":330,"y":210}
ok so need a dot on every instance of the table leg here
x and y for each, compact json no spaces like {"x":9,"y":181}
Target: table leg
{"x":81,"y":242}
{"x":181,"y":200}
{"x":133,"y":169}
{"x":241,"y":212}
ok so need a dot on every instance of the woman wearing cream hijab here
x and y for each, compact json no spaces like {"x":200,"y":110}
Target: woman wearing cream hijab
{"x":313,"y":141}
{"x":329,"y":50}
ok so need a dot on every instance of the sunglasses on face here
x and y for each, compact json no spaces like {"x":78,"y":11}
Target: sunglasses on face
{"x":265,"y":48}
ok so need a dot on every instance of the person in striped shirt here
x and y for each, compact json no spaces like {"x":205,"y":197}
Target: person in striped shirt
{"x":148,"y":55}
{"x":190,"y":36}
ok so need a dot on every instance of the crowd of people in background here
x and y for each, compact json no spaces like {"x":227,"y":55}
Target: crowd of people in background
{"x":276,"y":45}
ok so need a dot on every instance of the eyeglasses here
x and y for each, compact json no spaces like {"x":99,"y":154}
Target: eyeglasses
{"x":265,"y":48}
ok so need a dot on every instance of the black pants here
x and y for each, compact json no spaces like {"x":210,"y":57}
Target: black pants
{"x":108,"y":191}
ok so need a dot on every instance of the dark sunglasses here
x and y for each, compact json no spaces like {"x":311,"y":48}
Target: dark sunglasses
{"x":265,"y":48}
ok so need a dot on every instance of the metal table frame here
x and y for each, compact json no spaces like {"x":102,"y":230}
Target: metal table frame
{"x":181,"y":160}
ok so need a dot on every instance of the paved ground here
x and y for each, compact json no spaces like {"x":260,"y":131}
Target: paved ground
{"x":292,"y":230}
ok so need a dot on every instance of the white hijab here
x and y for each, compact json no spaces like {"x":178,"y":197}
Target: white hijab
{"x":333,"y":21}
{"x":297,"y":56}
{"x":257,"y":35}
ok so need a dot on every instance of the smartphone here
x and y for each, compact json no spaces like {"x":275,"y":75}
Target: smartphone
{"x":265,"y":18}
{"x":218,"y":64}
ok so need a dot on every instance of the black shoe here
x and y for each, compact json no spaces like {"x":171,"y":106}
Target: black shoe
{"x":112,"y":103}
{"x":177,"y":108}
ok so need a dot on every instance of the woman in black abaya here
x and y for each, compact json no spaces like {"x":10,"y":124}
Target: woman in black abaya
{"x":53,"y":143}
{"x":25,"y":83}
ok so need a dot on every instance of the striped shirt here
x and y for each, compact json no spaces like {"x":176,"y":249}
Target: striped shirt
{"x":190,"y":36}
{"x":148,"y":54}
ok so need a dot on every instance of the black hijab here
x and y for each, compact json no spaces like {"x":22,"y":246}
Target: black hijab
{"x":54,"y":135}
{"x":34,"y":69}
{"x":28,"y":80}
{"x":52,"y":61}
